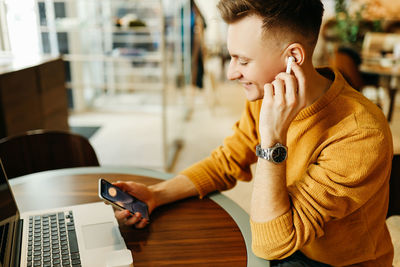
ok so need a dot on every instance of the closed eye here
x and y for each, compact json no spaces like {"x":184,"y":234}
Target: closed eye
{"x":243,"y":61}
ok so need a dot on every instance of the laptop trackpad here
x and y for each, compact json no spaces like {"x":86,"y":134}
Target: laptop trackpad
{"x":100,"y":235}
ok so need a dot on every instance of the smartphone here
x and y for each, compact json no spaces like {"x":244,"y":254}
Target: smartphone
{"x":121,"y":200}
{"x":289,"y":64}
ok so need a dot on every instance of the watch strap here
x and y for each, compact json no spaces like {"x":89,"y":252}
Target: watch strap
{"x":262,"y":153}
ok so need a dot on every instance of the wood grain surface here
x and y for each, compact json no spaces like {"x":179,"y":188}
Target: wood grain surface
{"x":190,"y":232}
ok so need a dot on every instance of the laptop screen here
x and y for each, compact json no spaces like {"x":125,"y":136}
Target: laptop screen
{"x":8,"y":219}
{"x":8,"y":207}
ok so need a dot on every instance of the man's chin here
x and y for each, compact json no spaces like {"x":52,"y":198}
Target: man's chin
{"x":252,"y":96}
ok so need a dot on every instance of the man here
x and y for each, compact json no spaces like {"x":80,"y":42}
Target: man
{"x":324,"y":151}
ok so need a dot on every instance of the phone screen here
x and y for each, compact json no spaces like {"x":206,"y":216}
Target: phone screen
{"x":122,"y":199}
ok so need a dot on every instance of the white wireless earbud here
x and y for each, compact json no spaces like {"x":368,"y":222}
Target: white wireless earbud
{"x":289,"y":64}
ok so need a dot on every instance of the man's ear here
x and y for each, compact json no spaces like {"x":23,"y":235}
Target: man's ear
{"x":297,"y":51}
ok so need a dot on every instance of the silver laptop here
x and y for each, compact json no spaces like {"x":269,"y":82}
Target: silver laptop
{"x":82,"y":235}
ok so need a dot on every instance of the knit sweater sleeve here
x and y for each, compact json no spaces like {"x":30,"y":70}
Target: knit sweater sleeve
{"x":350,"y":169}
{"x":229,"y":162}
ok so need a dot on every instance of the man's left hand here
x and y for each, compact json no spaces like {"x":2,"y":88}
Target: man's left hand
{"x":283,"y":99}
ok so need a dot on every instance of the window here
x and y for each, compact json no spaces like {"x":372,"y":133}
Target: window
{"x":18,"y":28}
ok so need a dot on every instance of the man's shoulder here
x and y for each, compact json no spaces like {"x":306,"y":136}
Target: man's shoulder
{"x":366,"y":113}
{"x":350,"y":103}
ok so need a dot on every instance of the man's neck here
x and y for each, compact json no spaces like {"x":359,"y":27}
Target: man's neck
{"x":317,"y":85}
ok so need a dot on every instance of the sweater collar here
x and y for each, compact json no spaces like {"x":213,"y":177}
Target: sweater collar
{"x":334,"y":90}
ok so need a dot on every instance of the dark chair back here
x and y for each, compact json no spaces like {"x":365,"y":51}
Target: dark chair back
{"x":42,"y":150}
{"x":347,"y":62}
{"x":394,"y":193}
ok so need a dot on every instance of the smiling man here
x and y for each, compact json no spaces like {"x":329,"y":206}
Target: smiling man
{"x":322,"y":150}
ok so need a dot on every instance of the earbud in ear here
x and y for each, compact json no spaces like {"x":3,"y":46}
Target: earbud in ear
{"x":290,"y":60}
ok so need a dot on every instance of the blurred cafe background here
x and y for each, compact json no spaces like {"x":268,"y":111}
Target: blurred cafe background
{"x":144,"y":80}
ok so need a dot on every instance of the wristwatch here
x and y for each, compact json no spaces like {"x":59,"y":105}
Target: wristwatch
{"x":276,"y":154}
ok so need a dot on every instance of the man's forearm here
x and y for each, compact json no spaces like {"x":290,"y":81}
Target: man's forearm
{"x":179,"y":187}
{"x":270,"y":197}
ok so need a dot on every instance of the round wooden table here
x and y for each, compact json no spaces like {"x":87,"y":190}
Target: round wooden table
{"x":213,"y":231}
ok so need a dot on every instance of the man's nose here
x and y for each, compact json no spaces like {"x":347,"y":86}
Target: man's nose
{"x":233,"y":73}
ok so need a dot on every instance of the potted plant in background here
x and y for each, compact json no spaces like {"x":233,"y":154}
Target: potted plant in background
{"x":352,"y":22}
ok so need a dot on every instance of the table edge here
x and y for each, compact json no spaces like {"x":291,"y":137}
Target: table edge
{"x":366,"y":68}
{"x":234,"y":210}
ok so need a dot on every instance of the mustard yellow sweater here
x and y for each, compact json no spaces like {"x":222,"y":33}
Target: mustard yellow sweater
{"x":338,"y":168}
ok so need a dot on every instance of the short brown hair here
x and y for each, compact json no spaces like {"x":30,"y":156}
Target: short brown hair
{"x":302,"y":17}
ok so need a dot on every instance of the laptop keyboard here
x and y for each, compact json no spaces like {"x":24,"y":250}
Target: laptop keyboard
{"x":52,"y":240}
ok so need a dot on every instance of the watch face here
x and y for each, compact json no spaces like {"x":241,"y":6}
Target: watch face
{"x":279,"y":154}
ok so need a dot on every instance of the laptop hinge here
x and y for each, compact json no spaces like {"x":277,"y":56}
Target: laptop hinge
{"x":18,"y":243}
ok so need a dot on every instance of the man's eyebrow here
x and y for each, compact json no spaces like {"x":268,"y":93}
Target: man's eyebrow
{"x":240,"y":56}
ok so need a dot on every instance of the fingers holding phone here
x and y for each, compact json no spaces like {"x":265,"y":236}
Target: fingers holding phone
{"x":133,"y":201}
{"x":127,"y":218}
{"x":140,"y":191}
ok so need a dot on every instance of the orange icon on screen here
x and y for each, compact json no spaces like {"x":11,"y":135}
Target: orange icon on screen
{"x":112,"y":191}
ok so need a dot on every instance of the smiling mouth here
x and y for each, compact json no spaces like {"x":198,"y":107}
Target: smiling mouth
{"x":245,"y":84}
